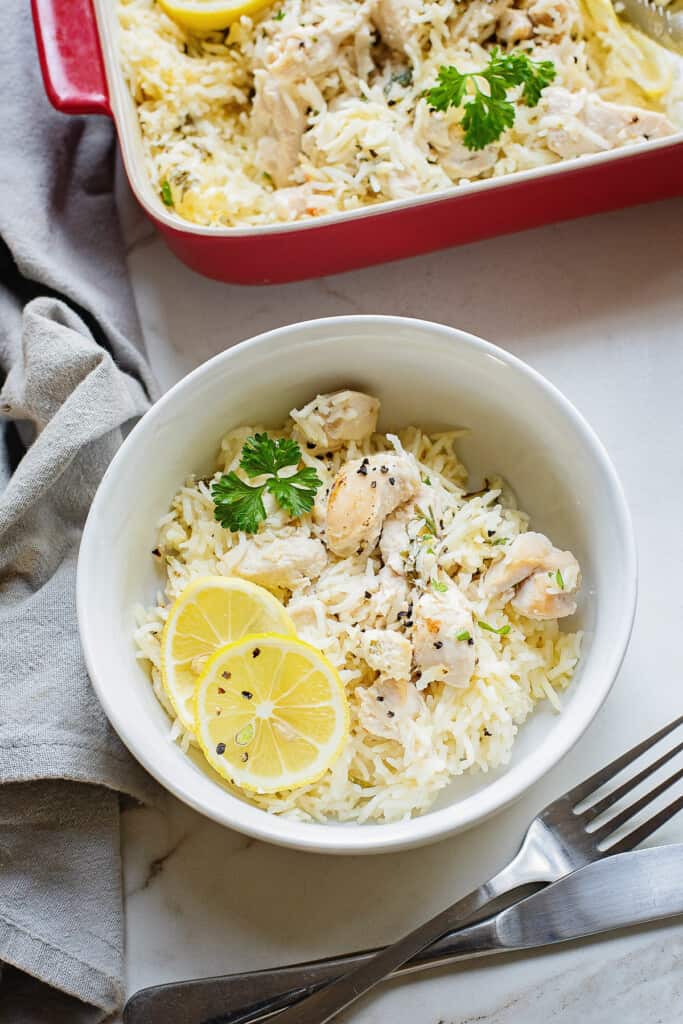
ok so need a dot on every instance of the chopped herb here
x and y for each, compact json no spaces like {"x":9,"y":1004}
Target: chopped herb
{"x":463,"y":636}
{"x":501,"y":631}
{"x":403,"y":78}
{"x":440,"y":587}
{"x":559,"y":579}
{"x":425,"y":479}
{"x":239,"y":505}
{"x":498,"y":540}
{"x":488,"y":114}
{"x":429,"y":520}
{"x":268,"y":178}
{"x":166,"y":194}
{"x":279,"y":16}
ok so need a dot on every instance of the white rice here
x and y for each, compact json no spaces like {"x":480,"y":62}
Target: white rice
{"x":458,"y":730}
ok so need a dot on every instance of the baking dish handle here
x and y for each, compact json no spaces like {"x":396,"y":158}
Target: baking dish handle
{"x":70,"y":56}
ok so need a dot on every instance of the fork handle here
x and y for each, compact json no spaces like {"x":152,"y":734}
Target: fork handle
{"x":251,"y":995}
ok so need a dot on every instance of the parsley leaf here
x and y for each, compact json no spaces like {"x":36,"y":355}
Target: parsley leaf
{"x":440,"y":587}
{"x":279,"y":16}
{"x":501,"y":631}
{"x":296,"y":493}
{"x":239,"y":505}
{"x":261,"y":454}
{"x":465,"y":635}
{"x":487,"y":111}
{"x":166,"y":194}
{"x":559,"y":579}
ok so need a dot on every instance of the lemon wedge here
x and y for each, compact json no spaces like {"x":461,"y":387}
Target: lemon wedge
{"x":207,"y":15}
{"x":271,"y":713}
{"x":211,"y":612}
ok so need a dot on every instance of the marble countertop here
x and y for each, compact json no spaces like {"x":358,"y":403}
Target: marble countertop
{"x":597,"y":306}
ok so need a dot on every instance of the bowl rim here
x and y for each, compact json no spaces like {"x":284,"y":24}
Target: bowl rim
{"x":434,"y":825}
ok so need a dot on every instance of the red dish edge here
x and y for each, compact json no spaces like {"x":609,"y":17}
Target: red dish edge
{"x":70,"y":56}
{"x":354,"y":242}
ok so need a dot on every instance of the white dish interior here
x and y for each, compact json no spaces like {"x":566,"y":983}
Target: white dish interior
{"x":423,"y":373}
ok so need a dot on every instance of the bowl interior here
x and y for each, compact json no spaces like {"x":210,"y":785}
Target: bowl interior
{"x":424,"y":374}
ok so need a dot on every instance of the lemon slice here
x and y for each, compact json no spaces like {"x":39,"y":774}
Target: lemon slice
{"x":211,"y":612}
{"x":207,"y":15}
{"x":271,"y":713}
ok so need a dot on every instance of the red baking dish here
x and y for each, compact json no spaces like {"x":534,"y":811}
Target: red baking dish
{"x":77,"y":49}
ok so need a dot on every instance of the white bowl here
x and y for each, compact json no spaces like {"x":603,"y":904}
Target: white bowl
{"x":423,"y":373}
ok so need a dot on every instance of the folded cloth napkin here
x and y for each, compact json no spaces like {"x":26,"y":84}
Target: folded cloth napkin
{"x":72,"y":375}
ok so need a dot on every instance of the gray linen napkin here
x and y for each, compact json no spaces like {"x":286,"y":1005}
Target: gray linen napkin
{"x":72,"y":374}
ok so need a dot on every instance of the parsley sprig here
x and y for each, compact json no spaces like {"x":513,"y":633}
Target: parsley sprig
{"x":488,"y":112}
{"x":239,"y":505}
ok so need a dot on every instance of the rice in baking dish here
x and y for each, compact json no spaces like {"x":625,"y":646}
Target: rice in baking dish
{"x":317,"y":106}
{"x":394,"y":767}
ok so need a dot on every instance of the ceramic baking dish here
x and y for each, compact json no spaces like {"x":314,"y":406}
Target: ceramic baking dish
{"x":77,"y":49}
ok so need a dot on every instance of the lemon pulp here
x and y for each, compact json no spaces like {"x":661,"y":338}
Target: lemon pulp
{"x":271,"y":713}
{"x":211,"y":611}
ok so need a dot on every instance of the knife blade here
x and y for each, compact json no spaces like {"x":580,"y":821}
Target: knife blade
{"x":618,"y":892}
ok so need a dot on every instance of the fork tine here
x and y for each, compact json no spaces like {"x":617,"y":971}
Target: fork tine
{"x":610,"y":827}
{"x":595,"y":810}
{"x":632,"y":840}
{"x":593,"y":782}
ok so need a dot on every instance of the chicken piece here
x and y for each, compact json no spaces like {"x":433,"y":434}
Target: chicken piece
{"x":552,"y":19}
{"x":478,"y":20}
{"x":282,"y":563}
{"x":329,"y":421}
{"x":392,"y":19}
{"x":278,"y":120}
{"x":579,"y":123}
{"x":527,"y":554}
{"x":392,"y":594}
{"x":364,"y":492}
{"x":551,"y":592}
{"x":394,"y":544}
{"x":455,"y":159}
{"x":306,"y":52}
{"x":439,"y":619}
{"x":514,"y":26}
{"x":388,"y":652}
{"x":389,"y":708}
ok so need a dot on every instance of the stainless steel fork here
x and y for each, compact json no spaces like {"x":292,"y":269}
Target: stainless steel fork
{"x":559,"y":840}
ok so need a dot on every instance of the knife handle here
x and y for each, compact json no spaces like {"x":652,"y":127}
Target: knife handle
{"x":235,"y":998}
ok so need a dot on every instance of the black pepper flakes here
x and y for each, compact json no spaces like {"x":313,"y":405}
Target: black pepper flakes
{"x":391,"y":714}
{"x":392,"y":480}
{"x":487,"y":733}
{"x":368,"y":595}
{"x":384,"y":469}
{"x":310,"y":446}
{"x":255,"y":653}
{"x":247,"y":695}
{"x":156,"y":553}
{"x":373,"y":484}
{"x":220,"y":748}
{"x":438,"y":644}
{"x":380,"y":699}
{"x":470,"y":642}
{"x":362,"y":470}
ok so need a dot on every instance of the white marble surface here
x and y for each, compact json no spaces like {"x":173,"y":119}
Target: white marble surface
{"x":597,"y":306}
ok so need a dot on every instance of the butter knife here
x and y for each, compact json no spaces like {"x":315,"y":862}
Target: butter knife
{"x":618,"y":892}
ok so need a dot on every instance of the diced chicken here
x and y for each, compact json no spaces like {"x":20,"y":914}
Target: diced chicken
{"x":440,"y":618}
{"x":364,"y":493}
{"x":389,"y":708}
{"x":552,"y":19}
{"x":393,"y":590}
{"x":388,"y":652}
{"x":526,"y":555}
{"x":292,"y":203}
{"x":278,"y":120}
{"x":282,"y":563}
{"x":478,"y":20}
{"x":306,"y":52}
{"x":580,"y":123}
{"x":549,"y":577}
{"x":329,"y":421}
{"x":394,"y":543}
{"x":454,"y":157}
{"x":514,"y":26}
{"x":551,"y":592}
{"x":392,"y":19}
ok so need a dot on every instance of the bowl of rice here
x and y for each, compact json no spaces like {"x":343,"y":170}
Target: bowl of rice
{"x":447,"y":543}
